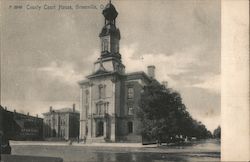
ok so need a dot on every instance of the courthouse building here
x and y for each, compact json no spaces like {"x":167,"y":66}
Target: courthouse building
{"x":109,"y":97}
{"x":61,"y":124}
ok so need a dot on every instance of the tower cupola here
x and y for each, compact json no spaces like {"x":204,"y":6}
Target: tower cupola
{"x":110,"y":58}
{"x":110,"y":34}
{"x":110,"y":12}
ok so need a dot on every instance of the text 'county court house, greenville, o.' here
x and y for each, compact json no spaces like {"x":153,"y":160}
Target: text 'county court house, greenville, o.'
{"x":109,"y":97}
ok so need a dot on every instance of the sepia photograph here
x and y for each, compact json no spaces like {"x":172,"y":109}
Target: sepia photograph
{"x":110,"y":80}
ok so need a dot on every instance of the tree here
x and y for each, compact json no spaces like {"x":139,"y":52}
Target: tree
{"x":164,"y":116}
{"x":217,"y":133}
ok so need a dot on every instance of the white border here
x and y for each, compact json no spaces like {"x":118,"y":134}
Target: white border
{"x":235,"y":80}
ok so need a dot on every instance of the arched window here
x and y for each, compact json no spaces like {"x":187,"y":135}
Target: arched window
{"x":102,"y":89}
{"x":130,"y":127}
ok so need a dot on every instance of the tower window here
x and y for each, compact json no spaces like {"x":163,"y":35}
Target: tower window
{"x":130,"y":127}
{"x":105,"y":45}
{"x":130,"y":93}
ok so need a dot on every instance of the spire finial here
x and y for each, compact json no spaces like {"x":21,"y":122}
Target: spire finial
{"x":109,"y":1}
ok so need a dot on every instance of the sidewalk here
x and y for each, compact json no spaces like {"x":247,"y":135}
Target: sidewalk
{"x":62,"y":143}
{"x":135,"y":145}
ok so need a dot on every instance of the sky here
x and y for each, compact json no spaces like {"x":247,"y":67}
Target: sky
{"x":45,"y":53}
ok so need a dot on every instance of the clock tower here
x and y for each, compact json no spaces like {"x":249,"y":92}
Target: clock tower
{"x":109,"y":97}
{"x":110,"y":58}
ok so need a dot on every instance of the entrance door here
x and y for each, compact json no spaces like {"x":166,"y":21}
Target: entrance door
{"x":130,"y":127}
{"x":99,"y":129}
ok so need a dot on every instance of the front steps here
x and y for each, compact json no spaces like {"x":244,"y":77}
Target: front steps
{"x":97,"y":140}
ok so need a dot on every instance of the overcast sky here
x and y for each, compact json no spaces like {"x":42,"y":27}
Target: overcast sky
{"x":45,"y":53}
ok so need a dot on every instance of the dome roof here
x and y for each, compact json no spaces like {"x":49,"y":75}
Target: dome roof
{"x":110,"y":12}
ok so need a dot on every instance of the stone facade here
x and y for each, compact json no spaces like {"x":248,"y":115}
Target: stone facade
{"x":61,"y":124}
{"x":109,"y":97}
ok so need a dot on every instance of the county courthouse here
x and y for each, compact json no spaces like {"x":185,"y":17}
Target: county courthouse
{"x":109,"y":97}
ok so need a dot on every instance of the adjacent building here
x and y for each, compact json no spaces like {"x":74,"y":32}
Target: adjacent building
{"x":18,"y":126}
{"x":109,"y":97}
{"x":1,"y":121}
{"x":62,"y":123}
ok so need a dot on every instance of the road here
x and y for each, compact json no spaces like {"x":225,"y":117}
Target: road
{"x":208,"y":150}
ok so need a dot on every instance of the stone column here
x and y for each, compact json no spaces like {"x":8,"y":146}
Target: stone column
{"x":94,"y":129}
{"x":105,"y":129}
{"x":90,"y":122}
{"x":81,"y":114}
{"x":113,"y":111}
{"x":113,"y":124}
{"x":89,"y":128}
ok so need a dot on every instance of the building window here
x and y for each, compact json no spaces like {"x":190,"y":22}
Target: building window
{"x":102,"y":108}
{"x":62,"y":122}
{"x":86,"y":96}
{"x":98,"y":109}
{"x":130,"y":110}
{"x":130,"y":127}
{"x":102,"y":89}
{"x":106,"y":107}
{"x":87,"y":109}
{"x":130,"y":93}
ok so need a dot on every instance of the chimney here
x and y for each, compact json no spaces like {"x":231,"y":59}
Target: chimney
{"x":50,"y":109}
{"x":28,"y":114}
{"x":165,"y":84}
{"x":74,"y":107}
{"x":37,"y":115}
{"x":14,"y":110}
{"x":151,"y":71}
